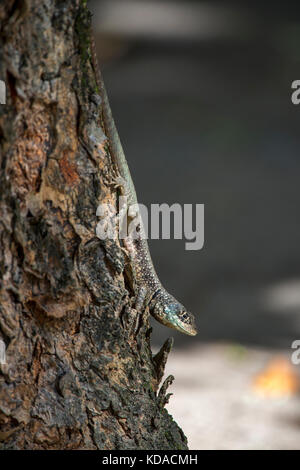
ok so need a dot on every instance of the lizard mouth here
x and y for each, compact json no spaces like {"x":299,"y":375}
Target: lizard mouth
{"x":190,"y":330}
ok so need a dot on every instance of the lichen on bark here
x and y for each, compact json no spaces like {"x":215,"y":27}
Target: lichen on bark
{"x":79,"y":371}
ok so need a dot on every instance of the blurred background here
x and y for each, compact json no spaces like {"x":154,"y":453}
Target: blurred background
{"x":201,"y":94}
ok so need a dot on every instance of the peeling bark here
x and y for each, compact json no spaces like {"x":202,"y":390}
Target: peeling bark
{"x":79,"y":372}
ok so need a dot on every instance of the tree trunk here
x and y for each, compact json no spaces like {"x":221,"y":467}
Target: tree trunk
{"x":79,"y":372}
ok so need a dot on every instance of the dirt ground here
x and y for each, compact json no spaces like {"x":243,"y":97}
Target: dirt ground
{"x":217,"y":405}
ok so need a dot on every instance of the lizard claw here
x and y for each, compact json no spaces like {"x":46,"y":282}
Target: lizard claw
{"x":118,"y":182}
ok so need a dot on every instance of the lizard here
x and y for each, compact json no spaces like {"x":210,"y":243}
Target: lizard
{"x":162,"y":305}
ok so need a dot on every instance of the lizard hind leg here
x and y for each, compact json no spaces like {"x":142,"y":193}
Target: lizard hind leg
{"x":138,"y":315}
{"x":141,"y":298}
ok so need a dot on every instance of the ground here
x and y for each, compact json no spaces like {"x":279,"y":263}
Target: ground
{"x":216,"y":403}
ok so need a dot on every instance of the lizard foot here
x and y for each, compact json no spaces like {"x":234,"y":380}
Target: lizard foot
{"x":117,"y":182}
{"x":126,"y":252}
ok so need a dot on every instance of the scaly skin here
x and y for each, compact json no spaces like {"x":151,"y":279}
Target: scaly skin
{"x":162,"y":305}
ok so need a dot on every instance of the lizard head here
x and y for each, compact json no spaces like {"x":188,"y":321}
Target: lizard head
{"x":167,"y":310}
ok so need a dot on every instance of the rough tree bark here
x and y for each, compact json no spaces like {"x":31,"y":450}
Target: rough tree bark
{"x":76,"y":374}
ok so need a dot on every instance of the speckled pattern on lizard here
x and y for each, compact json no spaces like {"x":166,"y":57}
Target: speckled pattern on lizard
{"x":162,"y":305}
